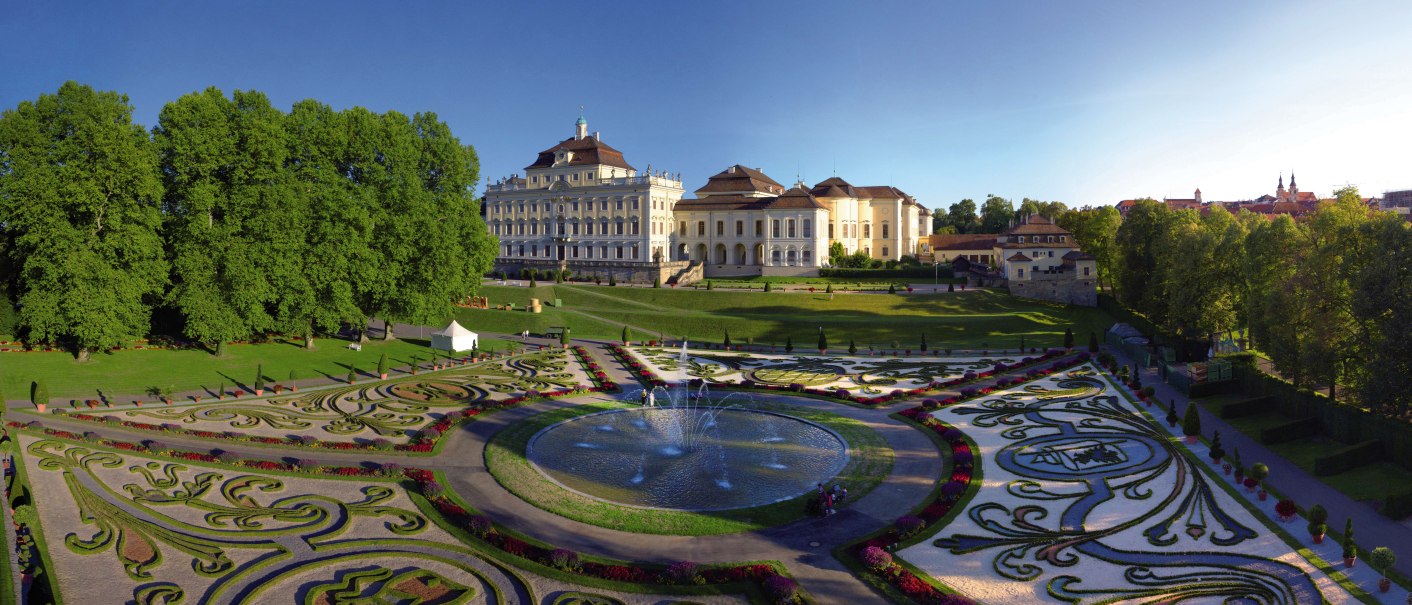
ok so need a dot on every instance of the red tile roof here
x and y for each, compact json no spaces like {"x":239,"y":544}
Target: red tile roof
{"x":587,"y":151}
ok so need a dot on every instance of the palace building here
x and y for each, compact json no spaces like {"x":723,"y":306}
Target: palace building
{"x":580,"y":206}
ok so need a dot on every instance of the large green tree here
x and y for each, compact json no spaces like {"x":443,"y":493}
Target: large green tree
{"x":962,"y":216}
{"x":1383,"y":294}
{"x":1095,"y":230}
{"x":223,"y":162}
{"x":1136,"y":262}
{"x":79,"y":191}
{"x":996,"y":214}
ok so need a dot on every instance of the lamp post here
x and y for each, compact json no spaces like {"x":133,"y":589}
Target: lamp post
{"x":936,"y":275}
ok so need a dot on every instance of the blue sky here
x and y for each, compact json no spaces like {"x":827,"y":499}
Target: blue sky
{"x":1083,"y":102}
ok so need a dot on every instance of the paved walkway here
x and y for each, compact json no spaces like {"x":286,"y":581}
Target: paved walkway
{"x":1370,"y":528}
{"x":804,"y":546}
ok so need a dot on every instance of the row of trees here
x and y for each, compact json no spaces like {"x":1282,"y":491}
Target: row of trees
{"x":1327,"y":297}
{"x":995,"y":214}
{"x":237,"y":216}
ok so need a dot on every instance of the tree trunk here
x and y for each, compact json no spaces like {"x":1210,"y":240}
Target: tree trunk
{"x":309,"y":338}
{"x":387,"y":330}
{"x":363,"y":336}
{"x":221,"y":349}
{"x":82,"y":354}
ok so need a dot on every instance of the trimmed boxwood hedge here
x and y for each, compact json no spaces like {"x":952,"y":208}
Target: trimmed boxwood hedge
{"x":1249,"y":407}
{"x":1291,"y":430}
{"x":1398,"y":506}
{"x":1351,"y":457}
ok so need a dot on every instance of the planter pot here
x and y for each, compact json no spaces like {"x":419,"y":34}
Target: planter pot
{"x":1318,"y":538}
{"x":1191,"y":438}
{"x":1263,"y":495}
{"x":1384,"y":585}
{"x":1286,"y":518}
{"x":41,"y":407}
{"x":1226,"y":468}
{"x":294,"y":389}
{"x":1171,"y":424}
{"x":259,"y":392}
{"x":198,"y":399}
{"x":1350,"y":561}
{"x":382,"y":376}
{"x":1239,"y":478}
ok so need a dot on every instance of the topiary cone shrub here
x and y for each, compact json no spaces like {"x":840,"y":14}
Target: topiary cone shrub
{"x":1191,"y":424}
{"x":1350,"y":548}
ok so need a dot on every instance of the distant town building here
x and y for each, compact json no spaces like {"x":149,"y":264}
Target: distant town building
{"x":1397,"y":199}
{"x":1035,"y":258}
{"x":1287,"y":201}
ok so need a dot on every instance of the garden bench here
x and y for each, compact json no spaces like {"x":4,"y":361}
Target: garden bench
{"x":355,"y":346}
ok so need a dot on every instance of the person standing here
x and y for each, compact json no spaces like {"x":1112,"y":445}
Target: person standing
{"x":652,"y":399}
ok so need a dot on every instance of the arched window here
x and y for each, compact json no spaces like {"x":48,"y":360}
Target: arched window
{"x":789,"y":257}
{"x":775,"y":255}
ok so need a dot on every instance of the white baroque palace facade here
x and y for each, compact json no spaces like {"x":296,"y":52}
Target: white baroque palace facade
{"x":580,"y":206}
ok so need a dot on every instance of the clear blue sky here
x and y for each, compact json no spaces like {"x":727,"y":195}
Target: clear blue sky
{"x":1083,"y":102}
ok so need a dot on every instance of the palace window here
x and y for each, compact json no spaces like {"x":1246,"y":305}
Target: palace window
{"x":701,"y":228}
{"x":775,"y":227}
{"x":588,"y":176}
{"x":620,"y":251}
{"x":775,"y":257}
{"x":604,"y":230}
{"x":808,"y":228}
{"x":576,"y":228}
{"x":885,"y":254}
{"x":1085,"y":271}
{"x":884,"y":234}
{"x":740,"y":228}
{"x":534,"y":228}
{"x":634,"y":203}
{"x":534,"y":250}
{"x":867,"y":230}
{"x":789,"y":257}
{"x":830,"y":230}
{"x":509,"y":250}
{"x":759,"y":228}
{"x":588,"y":228}
{"x":720,"y":228}
{"x":683,"y":228}
{"x":575,"y":176}
{"x":789,"y":225}
{"x":620,"y":204}
{"x":522,"y":249}
{"x":605,"y":252}
{"x":619,"y":231}
{"x":634,"y":228}
{"x":807,"y":256}
{"x":634,"y":252}
{"x":588,"y":250}
{"x":534,"y":180}
{"x":576,"y":251}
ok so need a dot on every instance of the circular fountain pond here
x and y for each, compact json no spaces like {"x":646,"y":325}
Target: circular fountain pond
{"x":687,"y":458}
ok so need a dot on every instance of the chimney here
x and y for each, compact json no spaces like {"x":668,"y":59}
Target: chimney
{"x":596,"y":136}
{"x":731,"y":170}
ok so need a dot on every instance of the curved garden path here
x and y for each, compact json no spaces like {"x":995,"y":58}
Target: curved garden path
{"x":803,"y":546}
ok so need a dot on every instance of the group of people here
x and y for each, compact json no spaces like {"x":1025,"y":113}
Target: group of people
{"x":649,"y":398}
{"x":831,"y":496}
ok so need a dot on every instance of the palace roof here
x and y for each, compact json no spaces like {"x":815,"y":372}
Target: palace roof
{"x":962,"y":241}
{"x":587,"y":151}
{"x":738,"y":179}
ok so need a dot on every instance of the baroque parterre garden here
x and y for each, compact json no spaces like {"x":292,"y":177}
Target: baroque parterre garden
{"x":604,"y":473}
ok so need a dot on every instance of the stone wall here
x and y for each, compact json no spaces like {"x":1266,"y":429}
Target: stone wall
{"x":732,"y":270}
{"x":1061,"y":287}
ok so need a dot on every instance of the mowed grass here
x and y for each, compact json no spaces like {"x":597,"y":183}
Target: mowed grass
{"x":975,"y":319}
{"x":129,"y":373}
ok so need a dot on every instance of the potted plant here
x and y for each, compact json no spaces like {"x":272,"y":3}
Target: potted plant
{"x":1172,"y":417}
{"x":1350,"y":550}
{"x":1317,"y":531}
{"x":564,"y":338}
{"x":1286,"y":509}
{"x":1259,"y":472}
{"x":1217,"y":452}
{"x":1318,"y":519}
{"x":221,"y":394}
{"x":823,"y":343}
{"x":293,"y":375}
{"x":626,"y":342}
{"x":39,"y":395}
{"x":1381,"y":558}
{"x":382,"y":367}
{"x":259,"y":380}
{"x":1239,"y":470}
{"x":1191,"y":424}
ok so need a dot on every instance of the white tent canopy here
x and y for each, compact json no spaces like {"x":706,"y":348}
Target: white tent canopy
{"x":454,"y":338}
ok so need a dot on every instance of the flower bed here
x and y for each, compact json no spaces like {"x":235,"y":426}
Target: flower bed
{"x":766,"y":577}
{"x":648,"y":375}
{"x":422,"y":441}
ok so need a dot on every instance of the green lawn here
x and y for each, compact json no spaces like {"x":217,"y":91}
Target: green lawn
{"x":1373,"y":482}
{"x":975,"y":319}
{"x":132,"y":372}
